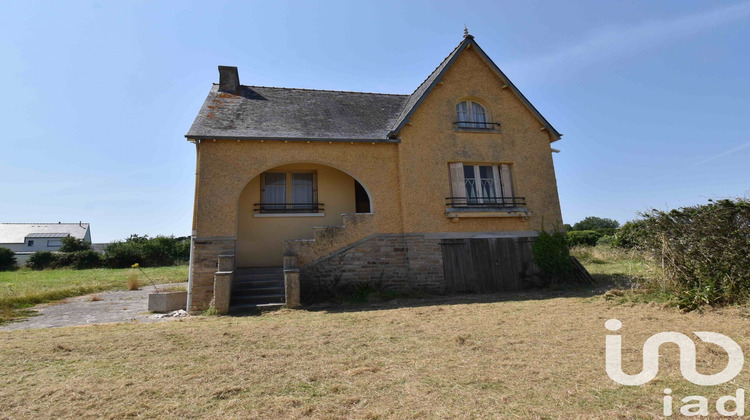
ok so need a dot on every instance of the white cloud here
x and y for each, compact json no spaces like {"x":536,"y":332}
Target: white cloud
{"x":616,"y":41}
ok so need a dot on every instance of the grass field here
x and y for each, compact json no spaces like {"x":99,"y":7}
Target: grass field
{"x":24,"y":288}
{"x":537,"y":354}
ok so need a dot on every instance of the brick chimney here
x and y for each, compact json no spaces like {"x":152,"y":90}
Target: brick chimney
{"x":229,"y":79}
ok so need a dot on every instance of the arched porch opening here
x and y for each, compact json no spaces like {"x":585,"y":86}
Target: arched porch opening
{"x":285,"y":202}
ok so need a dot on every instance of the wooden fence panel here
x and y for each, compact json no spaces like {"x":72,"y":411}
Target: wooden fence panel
{"x":486,"y":265}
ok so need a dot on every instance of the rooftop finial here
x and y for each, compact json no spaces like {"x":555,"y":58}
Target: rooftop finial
{"x":466,"y":31}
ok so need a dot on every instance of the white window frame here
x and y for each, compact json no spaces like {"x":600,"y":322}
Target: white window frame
{"x":54,"y":243}
{"x":471,"y":120}
{"x":481,"y":197}
{"x":501,"y":177}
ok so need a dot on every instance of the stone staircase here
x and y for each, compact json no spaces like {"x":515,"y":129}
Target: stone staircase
{"x":257,"y":287}
{"x":327,"y":239}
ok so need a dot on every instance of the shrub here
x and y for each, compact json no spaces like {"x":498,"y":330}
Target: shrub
{"x":123,"y":254}
{"x":704,"y":251}
{"x":631,"y":235}
{"x":86,"y":259}
{"x":7,"y":259}
{"x":80,"y":260}
{"x":583,"y":237}
{"x":41,"y":260}
{"x":551,"y":254}
{"x":159,"y":251}
{"x":606,"y":240}
{"x":148,"y":252}
{"x":182,"y":249}
{"x":71,"y":244}
{"x":593,"y":223}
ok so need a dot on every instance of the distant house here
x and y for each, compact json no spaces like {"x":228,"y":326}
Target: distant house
{"x":26,"y":238}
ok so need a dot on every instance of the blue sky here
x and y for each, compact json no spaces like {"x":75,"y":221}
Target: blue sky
{"x":652,"y":96}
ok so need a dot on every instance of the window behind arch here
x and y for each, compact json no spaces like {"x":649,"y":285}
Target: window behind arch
{"x":471,"y":115}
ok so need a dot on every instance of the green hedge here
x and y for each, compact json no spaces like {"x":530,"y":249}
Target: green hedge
{"x":7,"y":259}
{"x":704,"y":251}
{"x":147,"y":252}
{"x":583,"y":237}
{"x":41,"y":260}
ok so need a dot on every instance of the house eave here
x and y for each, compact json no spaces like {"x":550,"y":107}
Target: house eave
{"x":295,"y":139}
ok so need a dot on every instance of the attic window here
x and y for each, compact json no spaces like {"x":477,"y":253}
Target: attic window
{"x":472,"y":115}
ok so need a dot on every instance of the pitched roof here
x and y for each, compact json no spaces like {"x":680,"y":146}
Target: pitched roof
{"x":271,"y":113}
{"x":15,"y":233}
{"x":416,"y":98}
{"x":258,"y":112}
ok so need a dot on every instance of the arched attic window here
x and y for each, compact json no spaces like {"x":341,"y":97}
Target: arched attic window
{"x":471,"y":115}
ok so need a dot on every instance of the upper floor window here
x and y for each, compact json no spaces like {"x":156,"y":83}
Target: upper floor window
{"x":31,"y":242}
{"x":54,"y":243}
{"x":471,"y":115}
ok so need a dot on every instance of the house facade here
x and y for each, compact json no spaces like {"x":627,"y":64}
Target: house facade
{"x":310,"y":190}
{"x":26,"y":238}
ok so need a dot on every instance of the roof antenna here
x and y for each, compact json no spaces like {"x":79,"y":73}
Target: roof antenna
{"x":466,"y":31}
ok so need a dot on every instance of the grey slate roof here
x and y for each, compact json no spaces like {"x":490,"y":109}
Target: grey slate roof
{"x":257,"y":112}
{"x":11,"y":233}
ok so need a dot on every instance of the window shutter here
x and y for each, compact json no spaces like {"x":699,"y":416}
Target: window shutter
{"x":458,"y":184}
{"x":507,"y":182}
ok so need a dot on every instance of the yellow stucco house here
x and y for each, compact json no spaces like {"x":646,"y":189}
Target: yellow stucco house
{"x":305,"y":191}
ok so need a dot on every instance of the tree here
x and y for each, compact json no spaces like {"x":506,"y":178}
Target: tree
{"x":594,"y":223}
{"x":71,"y":244}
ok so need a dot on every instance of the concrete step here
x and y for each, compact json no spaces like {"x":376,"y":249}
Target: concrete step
{"x":255,"y":299}
{"x":259,"y":270}
{"x":254,"y":290}
{"x":243,"y":278}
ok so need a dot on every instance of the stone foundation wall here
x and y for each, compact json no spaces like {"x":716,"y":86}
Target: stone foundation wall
{"x":398,"y":262}
{"x":204,"y":264}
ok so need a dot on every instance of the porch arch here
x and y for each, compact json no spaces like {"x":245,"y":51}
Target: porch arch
{"x":263,"y":226}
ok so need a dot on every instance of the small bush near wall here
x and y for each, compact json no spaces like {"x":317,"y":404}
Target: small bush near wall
{"x":41,"y":260}
{"x":583,"y":237}
{"x":551,"y":254}
{"x":7,"y":259}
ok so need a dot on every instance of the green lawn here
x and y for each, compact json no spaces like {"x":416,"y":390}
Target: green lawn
{"x":24,"y":288}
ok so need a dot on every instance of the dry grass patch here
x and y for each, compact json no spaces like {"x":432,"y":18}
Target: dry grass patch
{"x":531,"y":355}
{"x":133,"y":282}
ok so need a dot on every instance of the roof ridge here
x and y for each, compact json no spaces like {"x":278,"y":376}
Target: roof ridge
{"x":325,"y":90}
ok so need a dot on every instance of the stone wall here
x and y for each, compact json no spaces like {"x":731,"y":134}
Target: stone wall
{"x":203,"y":265}
{"x":396,"y":262}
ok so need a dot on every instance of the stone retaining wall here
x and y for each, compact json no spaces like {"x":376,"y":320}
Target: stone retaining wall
{"x":204,"y":264}
{"x":398,"y":262}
